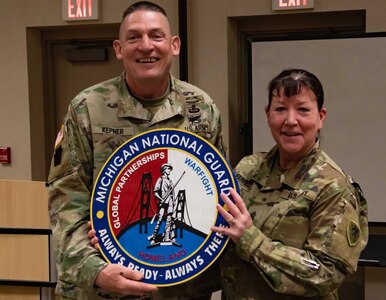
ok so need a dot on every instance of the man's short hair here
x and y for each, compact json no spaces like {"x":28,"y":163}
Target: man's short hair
{"x":145,"y":5}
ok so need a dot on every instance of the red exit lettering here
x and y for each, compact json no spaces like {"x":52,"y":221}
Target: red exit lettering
{"x":292,"y":3}
{"x":78,"y":9}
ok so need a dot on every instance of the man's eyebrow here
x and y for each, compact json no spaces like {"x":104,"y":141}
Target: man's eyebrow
{"x":135,"y":30}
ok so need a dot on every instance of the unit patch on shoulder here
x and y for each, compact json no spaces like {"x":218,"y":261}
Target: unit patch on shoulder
{"x":59,"y":137}
{"x":154,"y":202}
{"x":353,"y":233}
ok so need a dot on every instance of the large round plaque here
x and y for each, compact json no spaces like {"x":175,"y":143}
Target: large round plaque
{"x":154,"y":202}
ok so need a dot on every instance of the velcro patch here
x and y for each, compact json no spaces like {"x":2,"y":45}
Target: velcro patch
{"x":243,"y":181}
{"x":58,"y":156}
{"x":353,"y":233}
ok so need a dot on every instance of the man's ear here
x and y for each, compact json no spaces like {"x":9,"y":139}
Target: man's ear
{"x":176,"y":45}
{"x":118,"y":49}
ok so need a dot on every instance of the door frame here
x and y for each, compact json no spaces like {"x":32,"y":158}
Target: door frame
{"x":243,"y":31}
{"x":103,"y":33}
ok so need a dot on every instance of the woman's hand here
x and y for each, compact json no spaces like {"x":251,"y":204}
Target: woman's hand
{"x":237,"y":216}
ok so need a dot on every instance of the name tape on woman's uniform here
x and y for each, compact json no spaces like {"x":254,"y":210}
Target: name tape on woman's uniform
{"x":154,"y":202}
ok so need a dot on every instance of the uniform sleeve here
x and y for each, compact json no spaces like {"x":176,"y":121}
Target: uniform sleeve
{"x":331,"y":250}
{"x":70,"y":181}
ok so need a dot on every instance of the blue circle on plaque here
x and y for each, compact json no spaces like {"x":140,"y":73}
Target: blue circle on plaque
{"x":154,"y":202}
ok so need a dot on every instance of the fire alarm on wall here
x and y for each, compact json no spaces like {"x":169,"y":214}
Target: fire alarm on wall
{"x":5,"y":155}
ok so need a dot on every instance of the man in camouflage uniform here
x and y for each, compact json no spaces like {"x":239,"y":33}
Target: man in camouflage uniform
{"x":302,"y":228}
{"x":101,"y":118}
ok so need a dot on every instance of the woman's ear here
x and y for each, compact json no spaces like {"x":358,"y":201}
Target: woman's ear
{"x":267,"y":113}
{"x":322,"y":117}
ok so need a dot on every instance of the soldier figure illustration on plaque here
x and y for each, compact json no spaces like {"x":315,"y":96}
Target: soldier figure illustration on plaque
{"x":164,"y":192}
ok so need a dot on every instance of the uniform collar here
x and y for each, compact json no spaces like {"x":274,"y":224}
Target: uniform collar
{"x":270,"y":177}
{"x":130,"y":107}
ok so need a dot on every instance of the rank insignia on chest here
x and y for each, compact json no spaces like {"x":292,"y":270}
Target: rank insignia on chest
{"x":353,"y":233}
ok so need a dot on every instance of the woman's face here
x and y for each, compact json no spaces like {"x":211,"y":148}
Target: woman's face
{"x":295,"y":122}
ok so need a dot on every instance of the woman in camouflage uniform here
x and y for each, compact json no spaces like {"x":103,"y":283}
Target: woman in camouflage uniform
{"x":300,"y":223}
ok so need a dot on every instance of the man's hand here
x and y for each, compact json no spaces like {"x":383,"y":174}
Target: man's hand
{"x":120,"y":279}
{"x":117,"y":278}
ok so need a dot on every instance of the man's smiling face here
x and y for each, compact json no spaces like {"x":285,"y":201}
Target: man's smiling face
{"x":146,"y":47}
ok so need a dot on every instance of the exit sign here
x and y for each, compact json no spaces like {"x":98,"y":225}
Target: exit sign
{"x":77,"y":10}
{"x":292,"y":4}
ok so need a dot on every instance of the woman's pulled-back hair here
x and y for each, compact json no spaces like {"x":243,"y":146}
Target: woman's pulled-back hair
{"x":292,"y":81}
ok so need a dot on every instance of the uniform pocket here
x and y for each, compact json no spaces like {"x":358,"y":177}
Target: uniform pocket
{"x":288,"y":224}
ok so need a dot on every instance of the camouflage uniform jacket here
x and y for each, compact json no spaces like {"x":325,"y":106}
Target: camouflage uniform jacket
{"x":98,"y":121}
{"x":309,"y":227}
